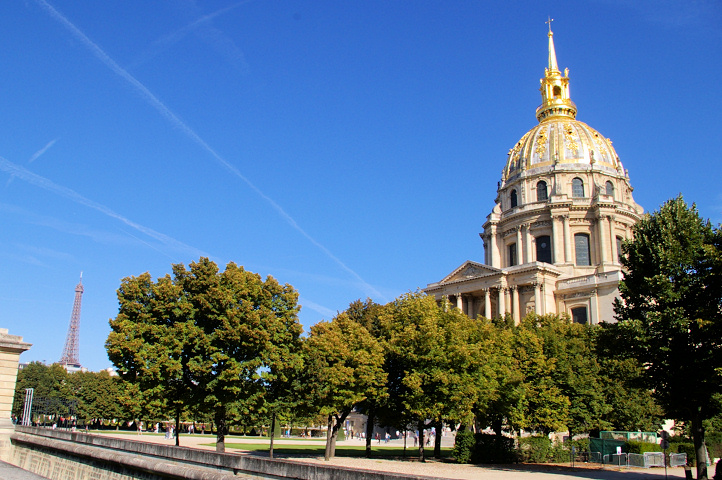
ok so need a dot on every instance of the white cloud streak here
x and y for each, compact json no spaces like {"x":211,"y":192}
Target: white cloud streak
{"x":215,"y":37}
{"x":42,"y":150}
{"x":154,"y":102}
{"x":72,"y":195}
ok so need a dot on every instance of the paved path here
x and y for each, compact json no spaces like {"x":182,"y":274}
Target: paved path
{"x":431,"y":468}
{"x":11,"y":472}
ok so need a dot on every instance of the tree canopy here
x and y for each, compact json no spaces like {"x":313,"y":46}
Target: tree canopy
{"x":204,"y":336}
{"x":670,"y":313}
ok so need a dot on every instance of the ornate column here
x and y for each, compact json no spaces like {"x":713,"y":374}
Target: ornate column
{"x":567,"y":241}
{"x":487,"y":303}
{"x":594,"y":308}
{"x":493,"y":248}
{"x":519,"y":249}
{"x":556,"y":240}
{"x":527,"y":242}
{"x":613,"y":241}
{"x":603,"y":245}
{"x":538,"y":299}
{"x":459,"y":302}
{"x":515,"y":304}
{"x":502,"y":303}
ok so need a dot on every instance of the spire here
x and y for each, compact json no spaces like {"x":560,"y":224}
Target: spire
{"x":555,"y":87}
{"x":552,"y":53}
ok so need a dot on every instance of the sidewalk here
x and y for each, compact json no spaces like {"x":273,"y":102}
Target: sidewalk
{"x":430,"y":468}
{"x":11,"y":472}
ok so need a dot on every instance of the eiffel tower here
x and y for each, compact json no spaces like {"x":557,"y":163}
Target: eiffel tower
{"x":70,"y":358}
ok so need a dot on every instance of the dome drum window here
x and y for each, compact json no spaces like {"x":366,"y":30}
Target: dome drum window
{"x":577,"y":188}
{"x":583,"y":255}
{"x":541,"y":191}
{"x":609,"y":189}
{"x":512,"y":255}
{"x":544,"y":249}
{"x":514,"y":199}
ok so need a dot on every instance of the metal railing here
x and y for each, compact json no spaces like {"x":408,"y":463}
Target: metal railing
{"x":642,"y":460}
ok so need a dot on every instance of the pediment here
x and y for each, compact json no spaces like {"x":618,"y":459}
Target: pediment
{"x":469,"y":270}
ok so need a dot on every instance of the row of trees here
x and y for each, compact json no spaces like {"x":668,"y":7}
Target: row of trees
{"x":228,"y":345}
{"x":86,"y":395}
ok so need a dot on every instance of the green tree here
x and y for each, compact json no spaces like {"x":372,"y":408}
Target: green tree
{"x":435,"y":360}
{"x":669,"y":313}
{"x":49,"y":384}
{"x":242,"y":325}
{"x":150,"y":341}
{"x":577,"y":372}
{"x":380,"y":407}
{"x":97,"y":395}
{"x":541,"y":405}
{"x":343,"y":367}
{"x":203,"y":337}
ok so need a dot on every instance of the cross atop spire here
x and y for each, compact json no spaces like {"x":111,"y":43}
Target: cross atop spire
{"x":552,"y":53}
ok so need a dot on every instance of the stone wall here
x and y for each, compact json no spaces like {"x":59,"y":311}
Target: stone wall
{"x":73,"y":455}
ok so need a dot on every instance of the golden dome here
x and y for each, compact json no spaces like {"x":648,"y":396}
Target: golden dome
{"x":565,"y":143}
{"x":560,"y":141}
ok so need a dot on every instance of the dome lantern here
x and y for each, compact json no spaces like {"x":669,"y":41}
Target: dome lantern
{"x":555,"y":88}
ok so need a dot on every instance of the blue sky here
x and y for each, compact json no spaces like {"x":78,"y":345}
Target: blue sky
{"x":348,"y":148}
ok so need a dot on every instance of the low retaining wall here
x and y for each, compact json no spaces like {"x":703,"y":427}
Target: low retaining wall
{"x":59,"y":455}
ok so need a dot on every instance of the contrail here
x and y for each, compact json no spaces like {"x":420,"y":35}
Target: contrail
{"x":190,"y":133}
{"x":34,"y":157}
{"x":172,"y":38}
{"x":42,"y":150}
{"x":50,"y":186}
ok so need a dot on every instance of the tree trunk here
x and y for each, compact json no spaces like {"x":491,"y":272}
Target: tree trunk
{"x":327,"y":454}
{"x":406,"y":434}
{"x":177,"y":425}
{"x":496,"y":425}
{"x":220,"y":429}
{"x":421,"y":441}
{"x":273,"y":431}
{"x":700,"y":448}
{"x":370,"y":430}
{"x":437,"y":440}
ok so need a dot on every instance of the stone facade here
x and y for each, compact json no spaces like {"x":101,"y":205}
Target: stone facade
{"x":563,"y":207}
{"x":11,"y":346}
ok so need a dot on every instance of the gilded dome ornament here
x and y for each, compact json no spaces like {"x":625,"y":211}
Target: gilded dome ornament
{"x":559,"y":137}
{"x":541,"y":142}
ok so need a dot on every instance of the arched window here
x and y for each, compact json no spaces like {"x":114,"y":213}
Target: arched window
{"x":609,"y":189}
{"x":512,"y":254}
{"x":514,"y":200}
{"x":557,"y":91}
{"x":577,"y":188}
{"x":579,"y":315}
{"x":581,"y":249}
{"x":541,"y":191}
{"x":544,"y":249}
